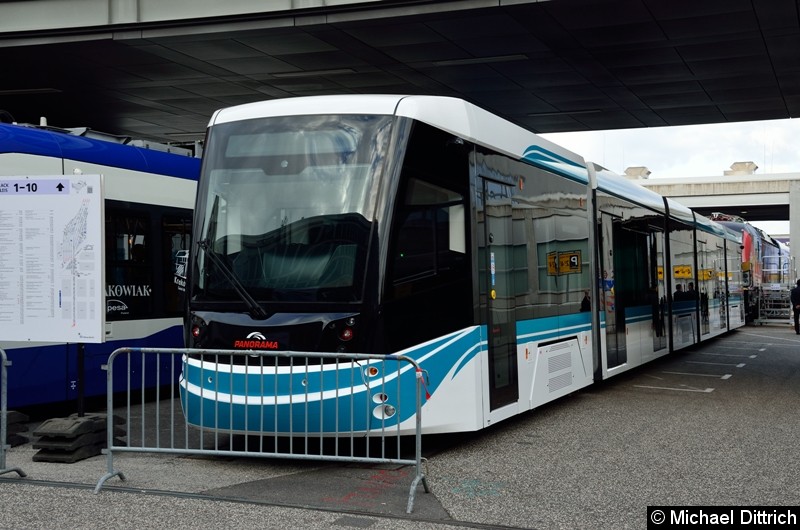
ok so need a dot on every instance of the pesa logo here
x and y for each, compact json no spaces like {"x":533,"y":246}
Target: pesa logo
{"x":116,"y":306}
{"x":256,"y":341}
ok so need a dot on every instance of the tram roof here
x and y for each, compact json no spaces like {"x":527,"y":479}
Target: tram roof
{"x":43,"y":142}
{"x":712,"y":227}
{"x":619,"y":186}
{"x":472,"y":123}
{"x":456,"y":116}
{"x":679,"y":211}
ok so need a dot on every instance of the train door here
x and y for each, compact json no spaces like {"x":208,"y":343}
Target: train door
{"x":497,"y":290}
{"x":616,"y":346}
{"x":657,"y":291}
{"x":705,"y":280}
{"x":632,"y":256}
{"x":735,"y":296}
{"x":683,"y":300}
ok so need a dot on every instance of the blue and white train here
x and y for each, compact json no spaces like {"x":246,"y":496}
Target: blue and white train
{"x":149,"y":196}
{"x":512,"y":271}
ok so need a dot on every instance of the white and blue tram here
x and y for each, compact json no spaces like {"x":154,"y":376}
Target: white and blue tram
{"x":428,"y":227}
{"x":149,"y":196}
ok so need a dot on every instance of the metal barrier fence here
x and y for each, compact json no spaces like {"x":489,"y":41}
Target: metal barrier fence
{"x":4,"y":364}
{"x":295,"y":405}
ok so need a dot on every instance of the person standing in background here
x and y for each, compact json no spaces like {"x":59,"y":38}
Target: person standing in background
{"x":795,"y":299}
{"x":586,"y":303}
{"x":679,"y":294}
{"x":690,"y":293}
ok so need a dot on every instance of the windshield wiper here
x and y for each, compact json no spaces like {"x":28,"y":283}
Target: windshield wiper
{"x":255,"y":309}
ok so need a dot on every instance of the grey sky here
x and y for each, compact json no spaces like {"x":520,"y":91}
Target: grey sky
{"x":694,"y":150}
{"x":691,"y":150}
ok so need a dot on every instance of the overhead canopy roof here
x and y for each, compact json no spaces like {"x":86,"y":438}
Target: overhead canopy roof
{"x":558,"y":65}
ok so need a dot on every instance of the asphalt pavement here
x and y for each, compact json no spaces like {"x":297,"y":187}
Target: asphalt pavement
{"x":715,"y":425}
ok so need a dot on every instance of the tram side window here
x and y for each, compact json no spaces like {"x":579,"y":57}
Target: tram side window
{"x":633,"y":279}
{"x":176,"y":239}
{"x":428,"y":265}
{"x":682,"y":259}
{"x":549,"y":257}
{"x":129,"y":266}
{"x":430,"y":238}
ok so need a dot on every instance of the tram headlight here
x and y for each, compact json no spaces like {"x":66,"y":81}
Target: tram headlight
{"x":384,"y":412}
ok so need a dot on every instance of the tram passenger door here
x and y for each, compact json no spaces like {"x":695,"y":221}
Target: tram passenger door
{"x":496,"y":250}
{"x":612,"y":304}
{"x":705,"y":279}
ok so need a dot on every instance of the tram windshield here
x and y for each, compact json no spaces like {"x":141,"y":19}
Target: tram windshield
{"x":287,"y":205}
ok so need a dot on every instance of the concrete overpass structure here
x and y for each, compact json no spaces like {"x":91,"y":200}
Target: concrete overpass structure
{"x":158,"y":69}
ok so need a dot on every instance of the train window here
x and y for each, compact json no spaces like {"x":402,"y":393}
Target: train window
{"x":633,"y":278}
{"x":430,"y":237}
{"x":176,"y":237}
{"x":682,"y":259}
{"x":549,"y":254}
{"x":129,"y":266}
{"x":428,"y":263}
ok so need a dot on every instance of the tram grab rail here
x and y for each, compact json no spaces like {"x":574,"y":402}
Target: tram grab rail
{"x":4,"y":364}
{"x":155,"y":422}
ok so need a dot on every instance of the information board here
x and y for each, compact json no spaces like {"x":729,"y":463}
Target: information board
{"x":51,"y":259}
{"x":560,"y":263}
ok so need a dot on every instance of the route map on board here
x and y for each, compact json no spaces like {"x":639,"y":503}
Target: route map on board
{"x":51,"y":259}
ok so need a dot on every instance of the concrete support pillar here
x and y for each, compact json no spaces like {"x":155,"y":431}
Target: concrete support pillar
{"x":123,"y":11}
{"x":794,"y":224}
